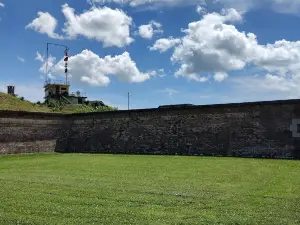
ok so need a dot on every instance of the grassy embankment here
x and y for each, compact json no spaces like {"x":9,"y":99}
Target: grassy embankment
{"x":8,"y":102}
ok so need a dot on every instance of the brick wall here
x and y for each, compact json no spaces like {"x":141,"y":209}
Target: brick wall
{"x":261,"y":129}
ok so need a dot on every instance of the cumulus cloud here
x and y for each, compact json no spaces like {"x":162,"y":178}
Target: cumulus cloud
{"x":210,"y":45}
{"x":87,"y":67}
{"x":281,"y":57}
{"x":106,"y":25}
{"x":163,"y":44}
{"x":45,"y":23}
{"x":2,"y":5}
{"x":147,"y":31}
{"x":214,"y":45}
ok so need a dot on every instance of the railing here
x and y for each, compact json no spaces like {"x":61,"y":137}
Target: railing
{"x":75,"y":94}
{"x":57,"y":82}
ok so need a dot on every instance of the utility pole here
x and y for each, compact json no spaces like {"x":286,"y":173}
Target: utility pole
{"x":128,"y":100}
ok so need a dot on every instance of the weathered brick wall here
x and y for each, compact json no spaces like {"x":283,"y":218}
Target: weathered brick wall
{"x":22,"y":132}
{"x":250,"y":130}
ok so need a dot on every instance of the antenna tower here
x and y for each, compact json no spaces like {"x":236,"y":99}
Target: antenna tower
{"x":66,"y":59}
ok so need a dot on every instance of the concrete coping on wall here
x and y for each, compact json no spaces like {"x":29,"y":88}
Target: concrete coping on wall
{"x":192,"y":108}
{"x":40,"y":115}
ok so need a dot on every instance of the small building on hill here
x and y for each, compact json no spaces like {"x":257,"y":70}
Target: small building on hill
{"x":58,"y":90}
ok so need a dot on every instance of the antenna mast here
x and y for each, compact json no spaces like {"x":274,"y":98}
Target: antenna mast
{"x":47,"y":62}
{"x":66,"y":59}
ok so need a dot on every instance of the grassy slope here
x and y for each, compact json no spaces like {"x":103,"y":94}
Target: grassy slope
{"x":8,"y":102}
{"x":112,"y":189}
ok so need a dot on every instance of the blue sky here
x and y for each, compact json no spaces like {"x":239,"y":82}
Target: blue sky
{"x":166,"y":52}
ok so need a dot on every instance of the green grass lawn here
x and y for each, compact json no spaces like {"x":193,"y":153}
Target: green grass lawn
{"x":114,"y":189}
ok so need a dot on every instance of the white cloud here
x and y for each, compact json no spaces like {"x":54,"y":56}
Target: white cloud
{"x":240,"y":5}
{"x":21,"y":59}
{"x":106,"y":25}
{"x":44,"y":69}
{"x":268,"y":87}
{"x":147,"y":31}
{"x":2,"y":5}
{"x":163,"y":44}
{"x":220,"y":76}
{"x":39,"y":57}
{"x":87,"y":67}
{"x":281,"y":57}
{"x":45,"y":23}
{"x":153,"y":3}
{"x":231,"y":15}
{"x":212,"y":45}
{"x":281,"y":6}
{"x":200,"y":9}
{"x":281,"y":84}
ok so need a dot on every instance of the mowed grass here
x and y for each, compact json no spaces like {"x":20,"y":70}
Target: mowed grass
{"x":123,"y":189}
{"x":8,"y":102}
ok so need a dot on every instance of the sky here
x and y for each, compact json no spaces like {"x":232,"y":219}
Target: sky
{"x":160,"y":51}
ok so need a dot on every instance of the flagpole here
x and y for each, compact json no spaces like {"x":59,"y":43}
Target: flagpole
{"x":66,"y":64}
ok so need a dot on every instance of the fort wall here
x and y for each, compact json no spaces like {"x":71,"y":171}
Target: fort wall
{"x":24,"y":132}
{"x":259,"y":129}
